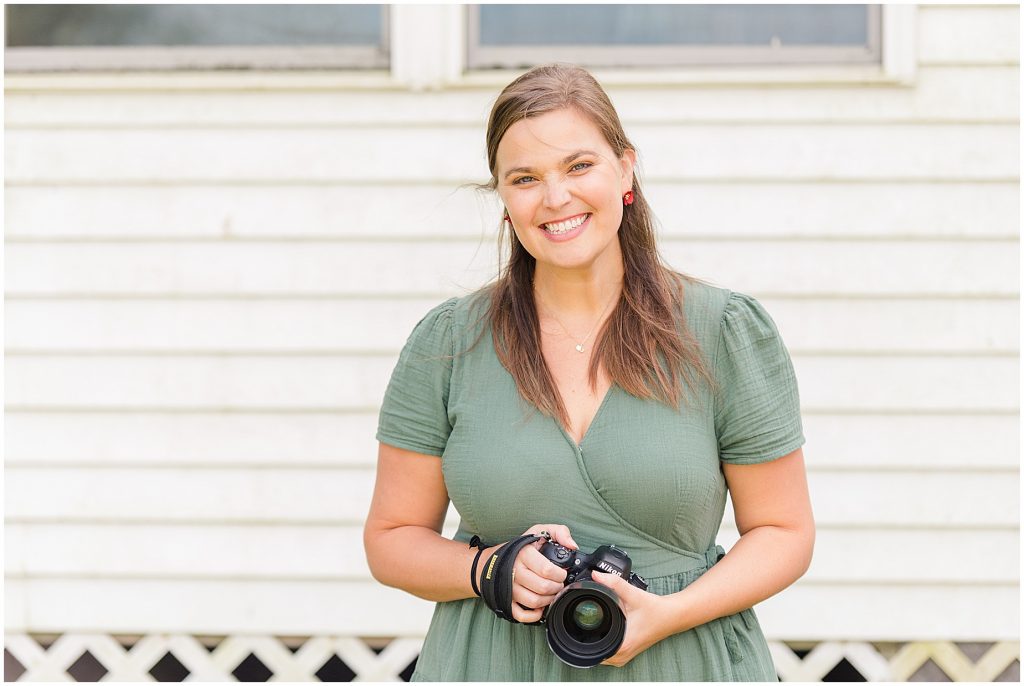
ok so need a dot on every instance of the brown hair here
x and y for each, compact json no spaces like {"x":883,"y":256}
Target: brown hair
{"x":645,"y":344}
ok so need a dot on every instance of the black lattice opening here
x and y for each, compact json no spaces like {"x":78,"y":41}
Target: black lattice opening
{"x":929,"y":671}
{"x":335,"y":669}
{"x":12,"y":668}
{"x":87,"y":668}
{"x":843,"y":671}
{"x":251,"y":669}
{"x":126,"y":641}
{"x":974,"y":651}
{"x":1011,"y":673}
{"x":293,"y":643}
{"x":406,"y":674}
{"x":169,"y":668}
{"x":210,"y":642}
{"x":376,"y":643}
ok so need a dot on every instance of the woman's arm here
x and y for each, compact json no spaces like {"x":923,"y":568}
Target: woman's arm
{"x":402,"y":536}
{"x":776,"y":525}
{"x":405,"y":549}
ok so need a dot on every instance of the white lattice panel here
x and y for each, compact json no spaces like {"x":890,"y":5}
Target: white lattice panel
{"x":1001,"y":661}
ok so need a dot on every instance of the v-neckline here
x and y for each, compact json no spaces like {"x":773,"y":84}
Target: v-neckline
{"x":578,"y":447}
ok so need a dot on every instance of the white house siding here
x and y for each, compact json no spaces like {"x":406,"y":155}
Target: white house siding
{"x":208,"y":285}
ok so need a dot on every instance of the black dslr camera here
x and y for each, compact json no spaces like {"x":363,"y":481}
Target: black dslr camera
{"x":585,"y":623}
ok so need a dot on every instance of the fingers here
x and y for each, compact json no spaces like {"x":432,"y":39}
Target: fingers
{"x":537,"y":580}
{"x":528,"y":599}
{"x":526,"y":615}
{"x":531,"y":593}
{"x":541,"y":566}
{"x":535,"y":583}
{"x":559,"y":534}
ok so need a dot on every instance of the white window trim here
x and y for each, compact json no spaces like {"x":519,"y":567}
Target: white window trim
{"x":428,"y":46}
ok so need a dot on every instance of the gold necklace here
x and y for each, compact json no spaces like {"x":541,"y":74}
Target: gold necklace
{"x":579,"y":345}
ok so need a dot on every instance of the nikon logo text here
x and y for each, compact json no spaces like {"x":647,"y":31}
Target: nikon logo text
{"x":605,"y":567}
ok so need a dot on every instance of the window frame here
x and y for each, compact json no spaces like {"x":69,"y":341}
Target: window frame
{"x":652,"y":56}
{"x":127,"y":58}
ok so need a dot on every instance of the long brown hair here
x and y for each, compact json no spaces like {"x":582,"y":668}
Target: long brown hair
{"x":645,"y":345}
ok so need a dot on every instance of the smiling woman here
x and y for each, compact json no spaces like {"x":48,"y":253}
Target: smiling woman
{"x":567,"y":210}
{"x":589,"y":396}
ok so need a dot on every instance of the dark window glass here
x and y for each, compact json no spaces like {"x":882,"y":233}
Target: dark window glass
{"x":192,"y":25}
{"x":742,"y":25}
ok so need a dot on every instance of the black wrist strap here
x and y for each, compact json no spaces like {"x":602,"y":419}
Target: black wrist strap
{"x":475,"y":542}
{"x":496,"y":578}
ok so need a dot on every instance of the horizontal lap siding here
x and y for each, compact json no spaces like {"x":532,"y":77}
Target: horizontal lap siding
{"x":295,"y":607}
{"x":343,"y":438}
{"x":322,"y":552}
{"x":206,"y":293}
{"x":280,"y":268}
{"x":876,"y":325}
{"x":840,"y":382}
{"x":700,"y":151}
{"x":443,"y":212}
{"x":321,"y":497}
{"x":948,"y":92}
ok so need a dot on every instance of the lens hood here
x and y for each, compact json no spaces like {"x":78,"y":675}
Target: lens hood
{"x":585,"y":624}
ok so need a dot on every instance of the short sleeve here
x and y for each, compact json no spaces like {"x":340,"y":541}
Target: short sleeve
{"x":757,"y":417}
{"x":414,"y":412}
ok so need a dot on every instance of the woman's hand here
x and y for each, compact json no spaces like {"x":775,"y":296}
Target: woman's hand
{"x":645,"y":618}
{"x":536,"y":580}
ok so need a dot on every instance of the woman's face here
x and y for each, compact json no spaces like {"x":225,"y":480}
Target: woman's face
{"x":557,"y":168}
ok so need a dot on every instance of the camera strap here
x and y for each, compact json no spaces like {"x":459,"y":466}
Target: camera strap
{"x":496,"y":580}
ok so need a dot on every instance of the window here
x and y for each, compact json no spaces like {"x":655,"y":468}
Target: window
{"x":518,"y":36}
{"x":126,"y":37}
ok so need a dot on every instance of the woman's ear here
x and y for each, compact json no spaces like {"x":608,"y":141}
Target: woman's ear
{"x":628,"y":162}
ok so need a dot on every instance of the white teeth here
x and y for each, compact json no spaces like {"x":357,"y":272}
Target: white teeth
{"x":563,"y":227}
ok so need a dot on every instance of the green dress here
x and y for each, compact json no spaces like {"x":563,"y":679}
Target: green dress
{"x":645,"y":477}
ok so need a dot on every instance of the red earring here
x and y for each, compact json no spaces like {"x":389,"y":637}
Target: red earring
{"x":505,"y":218}
{"x":627,"y":199}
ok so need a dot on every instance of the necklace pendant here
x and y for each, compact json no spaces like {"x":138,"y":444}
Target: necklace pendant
{"x":579,"y":347}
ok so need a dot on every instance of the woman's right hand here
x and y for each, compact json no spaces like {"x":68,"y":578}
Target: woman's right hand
{"x":536,"y":580}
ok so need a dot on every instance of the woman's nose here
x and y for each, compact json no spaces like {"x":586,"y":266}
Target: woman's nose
{"x":556,"y":193}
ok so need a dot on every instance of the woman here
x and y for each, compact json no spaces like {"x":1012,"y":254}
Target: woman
{"x":552,"y":398}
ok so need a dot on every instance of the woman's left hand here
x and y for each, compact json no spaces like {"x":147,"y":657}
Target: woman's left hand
{"x":646,"y":621}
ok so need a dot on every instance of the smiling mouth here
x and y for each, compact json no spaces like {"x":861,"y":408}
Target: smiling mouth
{"x":566,"y":225}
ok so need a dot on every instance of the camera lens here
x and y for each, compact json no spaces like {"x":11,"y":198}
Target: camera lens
{"x":588,"y":620}
{"x":585,"y":624}
{"x":588,"y":615}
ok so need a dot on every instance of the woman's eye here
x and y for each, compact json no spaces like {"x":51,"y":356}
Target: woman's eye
{"x":582,"y":165}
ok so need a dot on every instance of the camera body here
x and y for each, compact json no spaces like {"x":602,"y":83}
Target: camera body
{"x":579,"y":565}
